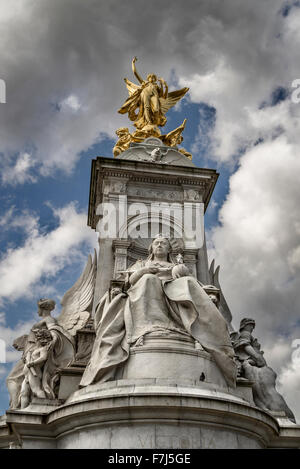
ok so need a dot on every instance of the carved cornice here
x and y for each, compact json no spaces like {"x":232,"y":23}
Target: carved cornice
{"x":185,"y":179}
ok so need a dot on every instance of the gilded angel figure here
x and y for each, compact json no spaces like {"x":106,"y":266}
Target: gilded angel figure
{"x":152,"y":99}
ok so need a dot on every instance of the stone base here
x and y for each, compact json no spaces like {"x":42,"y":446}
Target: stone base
{"x":174,"y":356}
{"x":170,"y":395}
{"x":69,"y":381}
{"x":149,"y":413}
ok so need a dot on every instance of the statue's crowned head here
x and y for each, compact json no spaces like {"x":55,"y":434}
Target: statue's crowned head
{"x":160,"y":247}
{"x":46,"y":304}
{"x":152,"y":77}
{"x":247,"y":322}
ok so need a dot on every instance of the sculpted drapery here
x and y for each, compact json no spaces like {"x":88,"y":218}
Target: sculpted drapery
{"x":152,"y":100}
{"x":255,"y":369}
{"x":50,"y":345}
{"x":162,"y":297}
{"x":47,"y":348}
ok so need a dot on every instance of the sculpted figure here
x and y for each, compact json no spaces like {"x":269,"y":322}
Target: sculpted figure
{"x":15,"y":378}
{"x":50,"y":345}
{"x":123,"y":141}
{"x":34,"y":360}
{"x":47,"y":348}
{"x":255,"y":368}
{"x":174,"y":138}
{"x":156,"y":155}
{"x":152,"y":99}
{"x":162,"y":296}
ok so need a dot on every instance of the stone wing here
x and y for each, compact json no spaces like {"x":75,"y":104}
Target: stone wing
{"x":214,"y":280}
{"x":171,"y":100}
{"x":77,"y":301}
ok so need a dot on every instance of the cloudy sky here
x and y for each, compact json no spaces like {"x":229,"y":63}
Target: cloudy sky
{"x":63,"y":64}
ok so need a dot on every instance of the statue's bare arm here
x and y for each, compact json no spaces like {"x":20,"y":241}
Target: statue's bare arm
{"x":257,"y":357}
{"x":44,"y":322}
{"x":134,"y":70}
{"x":164,"y":94}
{"x":39,"y":361}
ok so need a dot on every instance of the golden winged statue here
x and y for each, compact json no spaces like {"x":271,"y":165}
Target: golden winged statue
{"x":148,"y":102}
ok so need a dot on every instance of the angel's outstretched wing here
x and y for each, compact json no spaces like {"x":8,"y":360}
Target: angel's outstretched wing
{"x":132,"y":87}
{"x":174,"y":137}
{"x":78,"y":299}
{"x":214,"y":280}
{"x":171,"y":100}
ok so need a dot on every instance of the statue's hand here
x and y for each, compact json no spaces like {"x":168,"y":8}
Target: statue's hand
{"x":256,"y":361}
{"x":152,"y":270}
{"x":260,"y":362}
{"x":250,"y":361}
{"x":134,"y":60}
{"x":180,"y":270}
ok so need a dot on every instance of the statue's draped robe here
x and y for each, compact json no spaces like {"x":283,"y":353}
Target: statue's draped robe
{"x":143,"y":97}
{"x":60,"y":356}
{"x":157,"y":302}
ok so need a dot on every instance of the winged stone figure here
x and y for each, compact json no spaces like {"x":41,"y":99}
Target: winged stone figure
{"x":50,"y":344}
{"x":78,"y":298}
{"x":214,"y":280}
{"x":152,"y":99}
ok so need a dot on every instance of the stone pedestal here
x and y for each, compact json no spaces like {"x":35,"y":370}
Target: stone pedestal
{"x":69,"y":381}
{"x":149,"y":413}
{"x":173,"y":356}
{"x":171,"y":396}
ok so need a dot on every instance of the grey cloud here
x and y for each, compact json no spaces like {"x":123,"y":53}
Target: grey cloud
{"x":232,"y":54}
{"x":51,"y":50}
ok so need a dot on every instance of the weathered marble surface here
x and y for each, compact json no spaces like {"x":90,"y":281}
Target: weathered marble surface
{"x":46,"y":348}
{"x":144,"y":152}
{"x":253,"y":367}
{"x":162,"y":298}
{"x":150,"y":414}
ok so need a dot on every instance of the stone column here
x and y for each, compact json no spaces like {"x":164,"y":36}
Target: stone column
{"x":105,"y":270}
{"x":190,"y":259}
{"x":202,"y":264}
{"x":120,"y":247}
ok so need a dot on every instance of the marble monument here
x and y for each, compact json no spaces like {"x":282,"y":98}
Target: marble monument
{"x":144,"y":353}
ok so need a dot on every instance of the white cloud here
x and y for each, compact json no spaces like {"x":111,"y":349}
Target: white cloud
{"x":43,"y":254}
{"x":231,"y":57}
{"x":289,"y":379}
{"x":25,"y":221}
{"x":257,"y":246}
{"x":8,"y":335}
{"x":19,"y":173}
{"x":241,"y":69}
{"x":71,"y":102}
